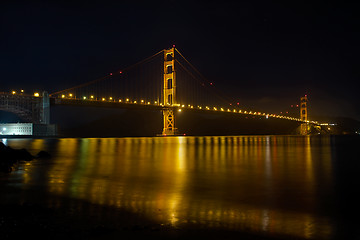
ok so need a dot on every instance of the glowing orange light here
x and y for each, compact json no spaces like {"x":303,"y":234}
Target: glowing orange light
{"x":120,"y":71}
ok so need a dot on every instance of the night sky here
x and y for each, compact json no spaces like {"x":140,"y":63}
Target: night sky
{"x":262,"y":53}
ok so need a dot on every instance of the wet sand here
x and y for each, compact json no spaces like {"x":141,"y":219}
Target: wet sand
{"x":78,"y":219}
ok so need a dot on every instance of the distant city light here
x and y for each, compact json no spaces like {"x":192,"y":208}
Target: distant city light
{"x":13,"y":92}
{"x":36,"y":94}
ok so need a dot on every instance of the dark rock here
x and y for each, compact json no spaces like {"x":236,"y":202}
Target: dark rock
{"x":2,"y":146}
{"x":43,"y":154}
{"x":10,"y":157}
{"x":23,"y":154}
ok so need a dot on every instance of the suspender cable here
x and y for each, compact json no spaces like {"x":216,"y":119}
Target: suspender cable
{"x":106,"y":77}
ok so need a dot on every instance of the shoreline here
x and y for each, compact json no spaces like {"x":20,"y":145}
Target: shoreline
{"x":75,"y":218}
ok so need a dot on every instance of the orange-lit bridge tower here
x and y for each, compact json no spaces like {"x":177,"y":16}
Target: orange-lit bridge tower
{"x":169,"y":92}
{"x":305,"y":127}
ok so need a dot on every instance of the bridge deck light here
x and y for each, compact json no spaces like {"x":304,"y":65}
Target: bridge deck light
{"x":84,"y":97}
{"x":63,"y":96}
{"x":13,"y":92}
{"x":36,"y":94}
{"x":103,"y":99}
{"x":155,"y":102}
{"x":135,"y":101}
{"x":142,"y":101}
{"x":120,"y":100}
{"x":179,"y":110}
{"x":148,"y":103}
{"x":70,"y":95}
{"x":22,"y":90}
{"x":127,"y":99}
{"x":92,"y":97}
{"x":110,"y":98}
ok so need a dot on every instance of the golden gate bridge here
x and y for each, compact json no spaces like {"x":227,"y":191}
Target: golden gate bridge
{"x":165,"y":81}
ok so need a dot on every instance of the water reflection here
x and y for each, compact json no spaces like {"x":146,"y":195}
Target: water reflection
{"x":272,"y":184}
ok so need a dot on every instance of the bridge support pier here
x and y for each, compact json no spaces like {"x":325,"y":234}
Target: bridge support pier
{"x":169,"y":123}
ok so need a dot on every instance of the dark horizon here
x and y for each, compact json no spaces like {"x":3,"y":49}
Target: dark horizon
{"x":262,"y":54}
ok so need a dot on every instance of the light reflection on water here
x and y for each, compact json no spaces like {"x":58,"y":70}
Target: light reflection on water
{"x":270,"y":184}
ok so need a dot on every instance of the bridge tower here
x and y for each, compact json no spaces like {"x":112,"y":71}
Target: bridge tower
{"x":169,"y":92}
{"x":304,"y":128}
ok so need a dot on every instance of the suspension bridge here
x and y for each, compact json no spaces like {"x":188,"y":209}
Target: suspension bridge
{"x":165,"y":81}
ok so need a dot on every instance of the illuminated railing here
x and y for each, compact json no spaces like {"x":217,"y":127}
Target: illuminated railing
{"x":180,"y":106}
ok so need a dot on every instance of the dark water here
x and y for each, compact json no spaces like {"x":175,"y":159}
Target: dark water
{"x":293,"y":186}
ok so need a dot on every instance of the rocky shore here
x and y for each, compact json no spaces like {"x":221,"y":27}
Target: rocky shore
{"x":10,"y":158}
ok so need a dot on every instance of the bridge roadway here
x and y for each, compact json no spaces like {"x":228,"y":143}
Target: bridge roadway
{"x":148,"y":106}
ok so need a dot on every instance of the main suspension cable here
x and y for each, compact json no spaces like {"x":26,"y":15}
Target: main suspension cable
{"x":108,"y":76}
